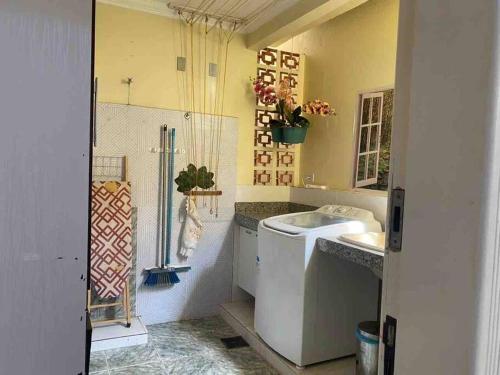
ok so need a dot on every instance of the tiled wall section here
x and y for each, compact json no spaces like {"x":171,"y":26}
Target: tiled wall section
{"x":132,"y":131}
{"x":275,"y":164}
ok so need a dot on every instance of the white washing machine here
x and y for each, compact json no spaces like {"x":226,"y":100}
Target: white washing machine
{"x":308,"y":303}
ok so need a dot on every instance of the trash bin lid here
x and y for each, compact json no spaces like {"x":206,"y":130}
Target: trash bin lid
{"x":369,"y":329}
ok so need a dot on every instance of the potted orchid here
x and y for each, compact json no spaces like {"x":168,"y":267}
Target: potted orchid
{"x":289,"y":126}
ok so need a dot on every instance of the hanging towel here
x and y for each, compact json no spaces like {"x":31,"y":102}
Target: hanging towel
{"x":192,"y":228}
{"x":111,"y":238}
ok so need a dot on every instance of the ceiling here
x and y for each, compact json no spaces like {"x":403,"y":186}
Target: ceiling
{"x":266,"y":9}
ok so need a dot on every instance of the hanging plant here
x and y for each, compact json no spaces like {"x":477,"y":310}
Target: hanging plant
{"x":205,"y":179}
{"x":289,"y":126}
{"x":194,"y":177}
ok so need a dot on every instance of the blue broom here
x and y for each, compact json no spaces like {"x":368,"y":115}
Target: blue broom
{"x":166,"y":274}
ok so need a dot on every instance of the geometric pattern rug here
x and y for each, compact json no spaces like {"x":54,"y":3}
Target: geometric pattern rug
{"x":111,"y":237}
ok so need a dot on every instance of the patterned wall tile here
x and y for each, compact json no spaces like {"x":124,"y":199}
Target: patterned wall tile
{"x":289,"y":60}
{"x":267,"y":75}
{"x":263,"y":117}
{"x":267,"y":56}
{"x":285,"y":159}
{"x":284,"y":178}
{"x":286,"y":146}
{"x":262,"y":158}
{"x":263,"y":138}
{"x":292,"y":77}
{"x":273,"y":66}
{"x":262,"y":177}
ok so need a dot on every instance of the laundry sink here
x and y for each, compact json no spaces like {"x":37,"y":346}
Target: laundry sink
{"x":369,"y":240}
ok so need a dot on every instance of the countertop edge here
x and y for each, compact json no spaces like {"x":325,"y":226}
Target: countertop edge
{"x":367,"y":258}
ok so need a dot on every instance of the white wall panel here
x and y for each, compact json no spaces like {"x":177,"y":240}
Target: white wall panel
{"x":133,"y":131}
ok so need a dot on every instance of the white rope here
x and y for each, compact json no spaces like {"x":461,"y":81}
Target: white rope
{"x":197,"y":138}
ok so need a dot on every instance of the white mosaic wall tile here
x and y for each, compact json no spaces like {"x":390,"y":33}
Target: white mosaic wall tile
{"x":132,"y":131}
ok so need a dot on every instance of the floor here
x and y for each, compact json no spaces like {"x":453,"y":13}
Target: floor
{"x":119,"y":336}
{"x":240,"y":316}
{"x":186,"y":347}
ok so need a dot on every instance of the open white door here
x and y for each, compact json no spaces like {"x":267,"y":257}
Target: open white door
{"x":441,"y":287}
{"x":45,"y":86}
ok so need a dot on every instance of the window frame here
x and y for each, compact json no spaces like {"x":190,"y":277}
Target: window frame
{"x":369,"y":125}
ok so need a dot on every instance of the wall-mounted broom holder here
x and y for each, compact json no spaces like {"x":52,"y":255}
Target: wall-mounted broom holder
{"x":159,"y":150}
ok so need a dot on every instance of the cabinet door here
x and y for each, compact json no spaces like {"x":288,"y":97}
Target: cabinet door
{"x":247,"y":268}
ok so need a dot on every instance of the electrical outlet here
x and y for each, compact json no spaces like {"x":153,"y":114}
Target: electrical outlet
{"x":181,"y":63}
{"x":308,"y":179}
{"x":212,"y":70}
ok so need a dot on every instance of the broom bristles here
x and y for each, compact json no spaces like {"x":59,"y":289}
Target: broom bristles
{"x":162,"y":277}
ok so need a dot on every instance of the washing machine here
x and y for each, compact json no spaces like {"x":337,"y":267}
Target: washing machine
{"x":308,"y":302}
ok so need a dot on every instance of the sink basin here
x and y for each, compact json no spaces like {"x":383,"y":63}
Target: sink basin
{"x":369,"y":240}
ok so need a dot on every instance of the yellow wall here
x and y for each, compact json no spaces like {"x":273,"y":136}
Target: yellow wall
{"x":145,"y":46}
{"x":353,"y":53}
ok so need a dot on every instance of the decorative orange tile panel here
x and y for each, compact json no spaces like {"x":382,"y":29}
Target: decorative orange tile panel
{"x":262,"y":158}
{"x":263,"y":117}
{"x":262,"y":177}
{"x":285,"y":146}
{"x":293,"y":78}
{"x":289,"y":60}
{"x":263,"y":138}
{"x":285,"y":159}
{"x":274,"y":162}
{"x":267,"y":75}
{"x":284,"y":178}
{"x":267,"y":56}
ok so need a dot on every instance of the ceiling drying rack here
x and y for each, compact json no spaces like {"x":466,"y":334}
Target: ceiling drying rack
{"x":224,"y":14}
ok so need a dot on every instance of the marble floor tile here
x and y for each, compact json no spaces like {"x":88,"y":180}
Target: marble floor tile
{"x":195,"y":365}
{"x":214,"y":325}
{"x":152,"y":368}
{"x":178,"y":346}
{"x":243,"y":360}
{"x":97,"y":362}
{"x":133,"y":355}
{"x":183,"y":348}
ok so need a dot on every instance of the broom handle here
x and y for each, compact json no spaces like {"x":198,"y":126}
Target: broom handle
{"x":163,"y":191}
{"x":171,"y":162}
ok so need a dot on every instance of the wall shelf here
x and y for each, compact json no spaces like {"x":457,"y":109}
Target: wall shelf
{"x":203,"y":193}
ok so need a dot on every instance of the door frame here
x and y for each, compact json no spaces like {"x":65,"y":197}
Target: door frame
{"x":478,"y":354}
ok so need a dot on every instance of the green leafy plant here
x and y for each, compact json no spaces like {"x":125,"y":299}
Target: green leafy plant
{"x":289,"y":118}
{"x":194,"y":177}
{"x":205,"y":178}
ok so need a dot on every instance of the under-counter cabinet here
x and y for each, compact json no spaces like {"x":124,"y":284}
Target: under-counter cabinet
{"x":247,"y":260}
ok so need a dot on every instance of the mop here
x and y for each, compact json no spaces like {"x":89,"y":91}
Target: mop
{"x":166,"y":274}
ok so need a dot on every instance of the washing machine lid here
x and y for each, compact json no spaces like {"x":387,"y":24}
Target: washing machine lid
{"x":325,"y":216}
{"x":301,"y":222}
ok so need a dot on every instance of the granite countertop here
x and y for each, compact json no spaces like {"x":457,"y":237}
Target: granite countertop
{"x":248,"y":214}
{"x":372,"y":259}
